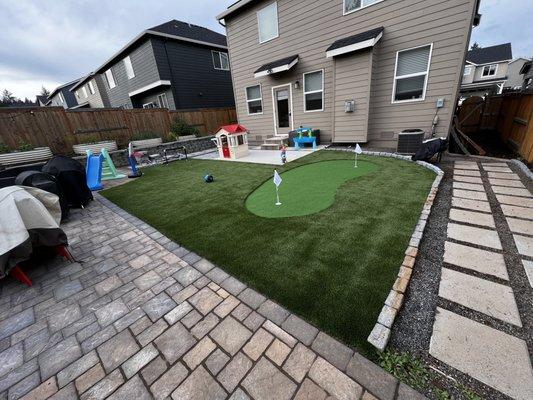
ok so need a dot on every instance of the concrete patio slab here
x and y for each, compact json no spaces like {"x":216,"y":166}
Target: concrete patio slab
{"x":519,"y":212}
{"x":468,"y":186}
{"x":506,"y":182}
{"x":475,"y":205}
{"x":270,"y":157}
{"x":481,"y":295}
{"x":520,"y":225}
{"x":472,"y":217}
{"x":479,"y":236}
{"x":494,"y":164}
{"x":506,"y":176}
{"x":468,"y":194}
{"x":471,"y":166}
{"x":483,"y":261}
{"x":491,"y":356}
{"x":504,"y":170}
{"x":466,"y":172}
{"x":528,"y":266}
{"x":511,"y":191}
{"x":468,"y":179}
{"x":515,"y":201}
{"x":524,"y":245}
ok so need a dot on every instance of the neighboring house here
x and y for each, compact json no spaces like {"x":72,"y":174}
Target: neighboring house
{"x":358,"y":70}
{"x":527,"y":76}
{"x":62,"y":96}
{"x":41,"y":100}
{"x":485,"y":70}
{"x":515,"y":79}
{"x":175,"y":65}
{"x":90,"y":92}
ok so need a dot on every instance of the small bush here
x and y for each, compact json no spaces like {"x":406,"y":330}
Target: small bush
{"x":144,"y":136}
{"x":406,"y":368}
{"x":179,"y":127}
{"x":4,"y":148}
{"x":25,"y":146}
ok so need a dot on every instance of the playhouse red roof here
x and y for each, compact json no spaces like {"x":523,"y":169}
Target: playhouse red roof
{"x":235,"y":128}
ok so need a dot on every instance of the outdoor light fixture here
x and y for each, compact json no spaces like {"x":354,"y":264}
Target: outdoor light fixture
{"x":297,"y":85}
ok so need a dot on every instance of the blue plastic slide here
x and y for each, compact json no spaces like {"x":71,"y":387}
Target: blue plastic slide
{"x":93,"y":170}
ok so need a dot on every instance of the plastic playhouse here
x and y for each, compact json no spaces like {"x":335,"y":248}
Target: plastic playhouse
{"x":232,"y":141}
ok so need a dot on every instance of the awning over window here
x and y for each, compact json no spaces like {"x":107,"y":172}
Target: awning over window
{"x":353,"y":43}
{"x":278,"y":66}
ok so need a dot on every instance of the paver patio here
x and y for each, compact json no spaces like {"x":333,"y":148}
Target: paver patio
{"x":475,"y":277}
{"x":138,"y":316}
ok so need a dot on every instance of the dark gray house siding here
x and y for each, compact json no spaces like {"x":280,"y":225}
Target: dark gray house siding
{"x":70,"y":99}
{"x":195,"y":81}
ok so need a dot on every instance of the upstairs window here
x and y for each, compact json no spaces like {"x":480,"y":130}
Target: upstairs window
{"x":84,"y":90}
{"x":489,"y":70}
{"x":220,"y":60}
{"x":467,"y":71}
{"x":254,"y":100}
{"x":354,"y":5}
{"x":162,"y":100}
{"x":411,"y":74}
{"x":91,"y":87}
{"x":61,"y":98}
{"x":314,"y":91}
{"x":267,"y":21}
{"x":129,"y":67}
{"x":110,"y":79}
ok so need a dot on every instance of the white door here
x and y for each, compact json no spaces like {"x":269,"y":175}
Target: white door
{"x":282,"y":109}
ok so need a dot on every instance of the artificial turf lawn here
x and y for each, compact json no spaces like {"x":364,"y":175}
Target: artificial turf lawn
{"x":305,"y":190}
{"x":335,"y":267}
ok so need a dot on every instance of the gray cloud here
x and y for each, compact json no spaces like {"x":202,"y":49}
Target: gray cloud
{"x":53,"y":42}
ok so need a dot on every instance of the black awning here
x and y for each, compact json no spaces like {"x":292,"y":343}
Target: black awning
{"x":276,"y":66}
{"x":356,"y":42}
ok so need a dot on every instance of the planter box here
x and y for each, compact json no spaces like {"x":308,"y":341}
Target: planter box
{"x":146,"y":143}
{"x":109,"y":145}
{"x":26,"y":157}
{"x":186,"y":137}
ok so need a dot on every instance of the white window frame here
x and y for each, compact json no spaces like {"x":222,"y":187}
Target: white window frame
{"x":109,"y":73}
{"x":469,"y":68}
{"x":219,"y":54}
{"x":277,"y":23}
{"x":77,"y":93}
{"x":160,"y":97}
{"x":91,"y":87}
{"x":84,"y":91}
{"x":395,"y":78}
{"x":344,"y":12}
{"x":489,"y":66}
{"x":151,"y":103}
{"x":130,"y":73}
{"x":250,"y":100}
{"x":61,"y":98}
{"x":323,"y":91}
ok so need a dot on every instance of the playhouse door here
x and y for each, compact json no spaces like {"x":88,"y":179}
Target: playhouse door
{"x":225,"y":147}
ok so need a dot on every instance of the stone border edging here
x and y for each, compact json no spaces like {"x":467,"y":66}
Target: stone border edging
{"x":523,"y":167}
{"x":380,"y":335}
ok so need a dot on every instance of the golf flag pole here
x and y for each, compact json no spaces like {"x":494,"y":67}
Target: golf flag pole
{"x":277,"y":182}
{"x":358,"y":150}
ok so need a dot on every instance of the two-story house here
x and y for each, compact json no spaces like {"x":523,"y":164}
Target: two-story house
{"x":515,"y":78}
{"x":175,"y":65}
{"x":90,"y":92}
{"x":485,"y":70}
{"x":61,"y":96}
{"x":358,"y":70}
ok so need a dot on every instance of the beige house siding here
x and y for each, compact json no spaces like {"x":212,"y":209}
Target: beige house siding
{"x":308,"y":28}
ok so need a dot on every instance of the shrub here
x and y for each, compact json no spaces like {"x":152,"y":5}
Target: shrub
{"x":179,"y":127}
{"x":25,"y":146}
{"x":4,"y":148}
{"x":144,"y":136}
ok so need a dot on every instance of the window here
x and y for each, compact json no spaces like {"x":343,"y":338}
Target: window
{"x":314,"y":91}
{"x":468,"y":70}
{"x":129,"y":67}
{"x":61,"y":98}
{"x":267,"y":21}
{"x":254,"y":99}
{"x":91,"y":87}
{"x":77,"y":94}
{"x":411,"y":74}
{"x":110,"y":79}
{"x":353,"y":5}
{"x":84,"y":90}
{"x":489,"y":70}
{"x":220,"y":60}
{"x":162,"y":100}
{"x":150,"y":105}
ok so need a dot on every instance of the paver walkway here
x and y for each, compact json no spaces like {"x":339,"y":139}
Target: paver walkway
{"x":140,"y":317}
{"x":488,"y":339}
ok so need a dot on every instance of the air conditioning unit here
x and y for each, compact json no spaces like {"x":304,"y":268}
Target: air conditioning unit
{"x":410,"y":140}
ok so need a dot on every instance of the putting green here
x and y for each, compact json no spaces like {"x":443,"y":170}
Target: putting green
{"x":305,"y":190}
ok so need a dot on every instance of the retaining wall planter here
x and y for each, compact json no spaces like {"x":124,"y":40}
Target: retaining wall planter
{"x":147,"y":143}
{"x":26,"y":157}
{"x":109,"y":145}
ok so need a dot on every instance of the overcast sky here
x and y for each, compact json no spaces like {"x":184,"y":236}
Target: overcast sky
{"x":56,"y":41}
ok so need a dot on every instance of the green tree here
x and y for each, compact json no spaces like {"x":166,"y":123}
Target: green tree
{"x":475,"y":46}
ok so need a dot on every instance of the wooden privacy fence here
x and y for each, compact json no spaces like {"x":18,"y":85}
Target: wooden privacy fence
{"x":59,"y":129}
{"x":510,"y":114}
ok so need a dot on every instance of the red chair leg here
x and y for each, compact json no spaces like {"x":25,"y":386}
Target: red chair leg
{"x":65,"y":253}
{"x":20,"y":276}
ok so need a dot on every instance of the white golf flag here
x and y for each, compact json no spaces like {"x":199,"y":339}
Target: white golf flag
{"x":358,"y":149}
{"x":277,"y":179}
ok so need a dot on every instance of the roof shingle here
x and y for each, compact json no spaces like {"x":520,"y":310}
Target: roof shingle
{"x":501,"y":52}
{"x":190,"y":31}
